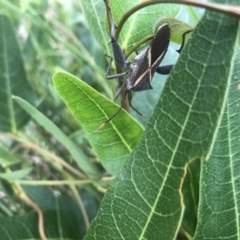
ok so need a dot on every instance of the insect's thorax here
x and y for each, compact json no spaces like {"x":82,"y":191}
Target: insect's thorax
{"x":139,"y":76}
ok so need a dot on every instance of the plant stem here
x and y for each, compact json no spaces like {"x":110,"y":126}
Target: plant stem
{"x":227,"y":9}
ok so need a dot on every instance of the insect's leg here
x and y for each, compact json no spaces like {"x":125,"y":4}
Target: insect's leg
{"x":164,"y":70}
{"x":109,"y":77}
{"x":115,"y":114}
{"x":183,"y":41}
{"x":120,"y":90}
{"x":129,"y":95}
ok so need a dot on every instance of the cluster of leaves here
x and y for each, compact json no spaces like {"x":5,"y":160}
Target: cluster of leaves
{"x":177,"y":178}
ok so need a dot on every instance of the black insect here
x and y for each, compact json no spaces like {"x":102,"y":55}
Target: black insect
{"x":146,"y":63}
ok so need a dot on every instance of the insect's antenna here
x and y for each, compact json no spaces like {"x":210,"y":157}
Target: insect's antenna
{"x":116,"y":113}
{"x":183,"y":41}
{"x":130,"y":103}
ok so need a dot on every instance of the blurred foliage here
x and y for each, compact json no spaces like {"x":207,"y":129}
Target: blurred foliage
{"x":43,"y":37}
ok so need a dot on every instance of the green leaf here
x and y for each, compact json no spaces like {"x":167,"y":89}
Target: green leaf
{"x":219,"y":203}
{"x":145,"y":201}
{"x":117,"y":139}
{"x":16,"y":175}
{"x":94,"y":14}
{"x":7,"y":159}
{"x":13,"y":79}
{"x":80,"y":158}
